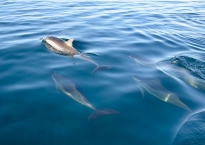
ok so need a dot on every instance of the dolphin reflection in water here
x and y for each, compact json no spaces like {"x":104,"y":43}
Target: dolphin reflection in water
{"x":155,"y":88}
{"x":66,"y":48}
{"x":69,"y":88}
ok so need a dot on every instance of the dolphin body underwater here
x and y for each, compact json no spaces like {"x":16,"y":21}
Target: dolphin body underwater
{"x":66,"y":48}
{"x":155,"y":88}
{"x":181,"y":73}
{"x":69,"y":88}
{"x":192,"y":131}
{"x":174,"y":71}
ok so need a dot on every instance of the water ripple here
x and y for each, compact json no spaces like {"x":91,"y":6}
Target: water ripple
{"x":114,"y":30}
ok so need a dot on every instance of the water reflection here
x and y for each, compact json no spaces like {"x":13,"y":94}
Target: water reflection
{"x":192,"y":131}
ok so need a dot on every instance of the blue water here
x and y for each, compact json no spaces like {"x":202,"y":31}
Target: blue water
{"x":191,"y":131}
{"x":33,"y":112}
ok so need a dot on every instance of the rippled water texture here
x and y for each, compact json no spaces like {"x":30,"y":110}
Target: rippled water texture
{"x":33,"y":112}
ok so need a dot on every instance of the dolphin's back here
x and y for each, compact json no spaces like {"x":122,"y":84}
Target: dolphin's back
{"x":59,"y":46}
{"x":181,"y":73}
{"x":69,"y":88}
{"x":155,"y":88}
{"x":65,"y":83}
{"x":66,"y":48}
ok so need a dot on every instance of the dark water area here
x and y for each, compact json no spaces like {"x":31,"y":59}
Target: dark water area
{"x":34,"y":112}
{"x":192,"y":130}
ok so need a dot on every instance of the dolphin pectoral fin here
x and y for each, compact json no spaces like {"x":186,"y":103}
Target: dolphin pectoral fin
{"x":141,"y":90}
{"x":138,"y":85}
{"x":98,"y":113}
{"x":70,"y":42}
{"x":100,"y":68}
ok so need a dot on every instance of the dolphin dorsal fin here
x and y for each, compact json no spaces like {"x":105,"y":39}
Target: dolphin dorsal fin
{"x":70,"y":42}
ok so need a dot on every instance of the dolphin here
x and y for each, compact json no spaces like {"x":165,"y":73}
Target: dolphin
{"x":155,"y":88}
{"x":175,"y":72}
{"x":181,"y":73}
{"x":190,"y":63}
{"x":66,"y":48}
{"x":69,"y":88}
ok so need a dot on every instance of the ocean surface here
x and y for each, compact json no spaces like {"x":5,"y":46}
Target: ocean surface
{"x":34,"y":112}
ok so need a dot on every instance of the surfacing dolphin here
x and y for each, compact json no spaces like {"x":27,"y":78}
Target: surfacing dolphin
{"x":155,"y":88}
{"x":181,"y":73}
{"x":69,"y":88}
{"x":168,"y":67}
{"x":66,"y":48}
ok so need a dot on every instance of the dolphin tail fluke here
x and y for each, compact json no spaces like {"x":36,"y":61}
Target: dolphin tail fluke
{"x":98,"y":113}
{"x":100,"y":68}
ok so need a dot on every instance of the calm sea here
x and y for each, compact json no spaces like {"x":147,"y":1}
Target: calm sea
{"x":33,"y":112}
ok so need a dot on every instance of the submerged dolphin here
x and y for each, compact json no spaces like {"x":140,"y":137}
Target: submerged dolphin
{"x":155,"y":88}
{"x":140,"y":61}
{"x":69,"y":88}
{"x":66,"y":48}
{"x":181,"y":73}
{"x":169,"y":68}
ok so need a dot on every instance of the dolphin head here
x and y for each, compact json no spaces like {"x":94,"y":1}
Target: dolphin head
{"x":56,"y":76}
